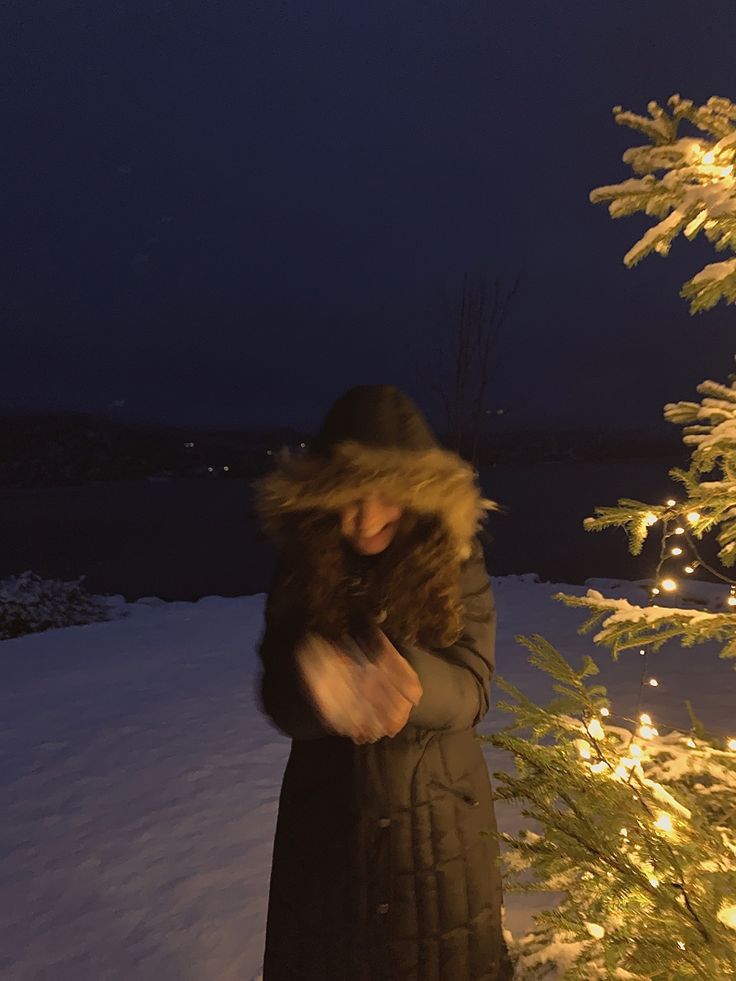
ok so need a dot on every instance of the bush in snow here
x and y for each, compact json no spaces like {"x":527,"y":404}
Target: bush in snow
{"x":30,"y":604}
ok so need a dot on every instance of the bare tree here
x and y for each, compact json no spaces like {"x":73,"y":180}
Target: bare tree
{"x":462,"y":357}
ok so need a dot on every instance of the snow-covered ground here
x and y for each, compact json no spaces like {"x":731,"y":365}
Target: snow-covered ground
{"x":139,"y":782}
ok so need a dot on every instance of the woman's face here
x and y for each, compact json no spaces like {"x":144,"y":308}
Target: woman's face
{"x":370,"y":522}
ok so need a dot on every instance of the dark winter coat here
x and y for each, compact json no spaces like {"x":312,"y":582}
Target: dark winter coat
{"x":381,"y":870}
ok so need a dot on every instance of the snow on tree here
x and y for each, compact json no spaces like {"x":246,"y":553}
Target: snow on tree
{"x":637,"y":829}
{"x":696,"y":192}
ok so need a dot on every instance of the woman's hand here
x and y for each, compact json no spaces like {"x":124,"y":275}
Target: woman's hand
{"x":357,"y":697}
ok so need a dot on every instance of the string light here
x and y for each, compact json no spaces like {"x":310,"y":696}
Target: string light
{"x":676,"y":550}
{"x":693,"y":517}
{"x":669,"y":585}
{"x":689,"y":570}
{"x":680,"y":944}
{"x":605,"y":712}
{"x":653,"y":683}
{"x":732,"y":744}
{"x":599,"y":767}
{"x":645,"y":719}
{"x":679,"y":530}
{"x":653,"y":881}
{"x":732,"y":596}
{"x":650,"y":518}
{"x":690,"y":742}
{"x":671,"y":502}
{"x":595,"y":729}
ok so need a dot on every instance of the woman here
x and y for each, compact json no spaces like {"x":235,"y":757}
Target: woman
{"x":377,"y":656}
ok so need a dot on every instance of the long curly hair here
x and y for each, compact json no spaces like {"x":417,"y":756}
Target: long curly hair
{"x":412,"y":588}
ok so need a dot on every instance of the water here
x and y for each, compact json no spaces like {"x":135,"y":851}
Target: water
{"x":187,"y":538}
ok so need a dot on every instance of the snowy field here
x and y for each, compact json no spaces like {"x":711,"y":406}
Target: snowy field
{"x":139,"y":782}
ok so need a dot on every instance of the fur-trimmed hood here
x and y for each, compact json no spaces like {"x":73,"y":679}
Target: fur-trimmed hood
{"x":428,"y":481}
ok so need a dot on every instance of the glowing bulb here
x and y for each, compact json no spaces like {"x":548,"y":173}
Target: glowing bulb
{"x":676,"y":550}
{"x":653,"y":881}
{"x":693,"y":517}
{"x":636,"y":750}
{"x":646,"y":732}
{"x":226,"y":468}
{"x":731,"y":600}
{"x":650,"y":518}
{"x":680,"y":944}
{"x":584,"y":750}
{"x":645,"y":719}
{"x":727,"y":916}
{"x":653,"y":682}
{"x":664,"y":823}
{"x":691,"y":743}
{"x":621,"y":773}
{"x":624,"y":832}
{"x":596,"y":729}
{"x":669,"y":585}
{"x":679,"y":530}
{"x":671,"y":502}
{"x":655,"y":591}
{"x":709,"y":157}
{"x":598,"y":767}
{"x":605,"y":712}
{"x":732,"y":744}
{"x":642,"y":652}
{"x":689,"y":570}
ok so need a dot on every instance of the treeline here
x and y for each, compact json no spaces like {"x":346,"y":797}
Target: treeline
{"x":62,"y":448}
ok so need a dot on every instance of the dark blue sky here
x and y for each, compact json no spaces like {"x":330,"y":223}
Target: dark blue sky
{"x":227,"y":212}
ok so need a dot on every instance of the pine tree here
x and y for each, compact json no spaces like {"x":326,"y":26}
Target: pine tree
{"x":637,"y":829}
{"x":695,"y":193}
{"x":646,"y":863}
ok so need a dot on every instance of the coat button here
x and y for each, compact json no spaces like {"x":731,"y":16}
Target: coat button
{"x":382,"y":908}
{"x":384,"y":822}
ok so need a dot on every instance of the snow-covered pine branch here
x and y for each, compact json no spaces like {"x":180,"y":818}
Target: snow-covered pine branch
{"x":695,"y":194}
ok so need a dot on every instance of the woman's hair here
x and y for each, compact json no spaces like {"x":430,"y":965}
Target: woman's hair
{"x":415,"y":579}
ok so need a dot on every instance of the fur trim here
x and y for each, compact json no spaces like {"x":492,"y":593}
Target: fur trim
{"x":434,"y":481}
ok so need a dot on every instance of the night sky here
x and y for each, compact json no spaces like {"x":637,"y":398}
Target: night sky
{"x":224,"y":213}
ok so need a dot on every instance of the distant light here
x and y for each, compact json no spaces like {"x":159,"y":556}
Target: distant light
{"x":210,"y":469}
{"x":270,"y":452}
{"x":226,"y":468}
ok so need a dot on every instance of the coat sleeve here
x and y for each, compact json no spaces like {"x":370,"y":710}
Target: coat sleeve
{"x":280,"y":693}
{"x":456,"y":680}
